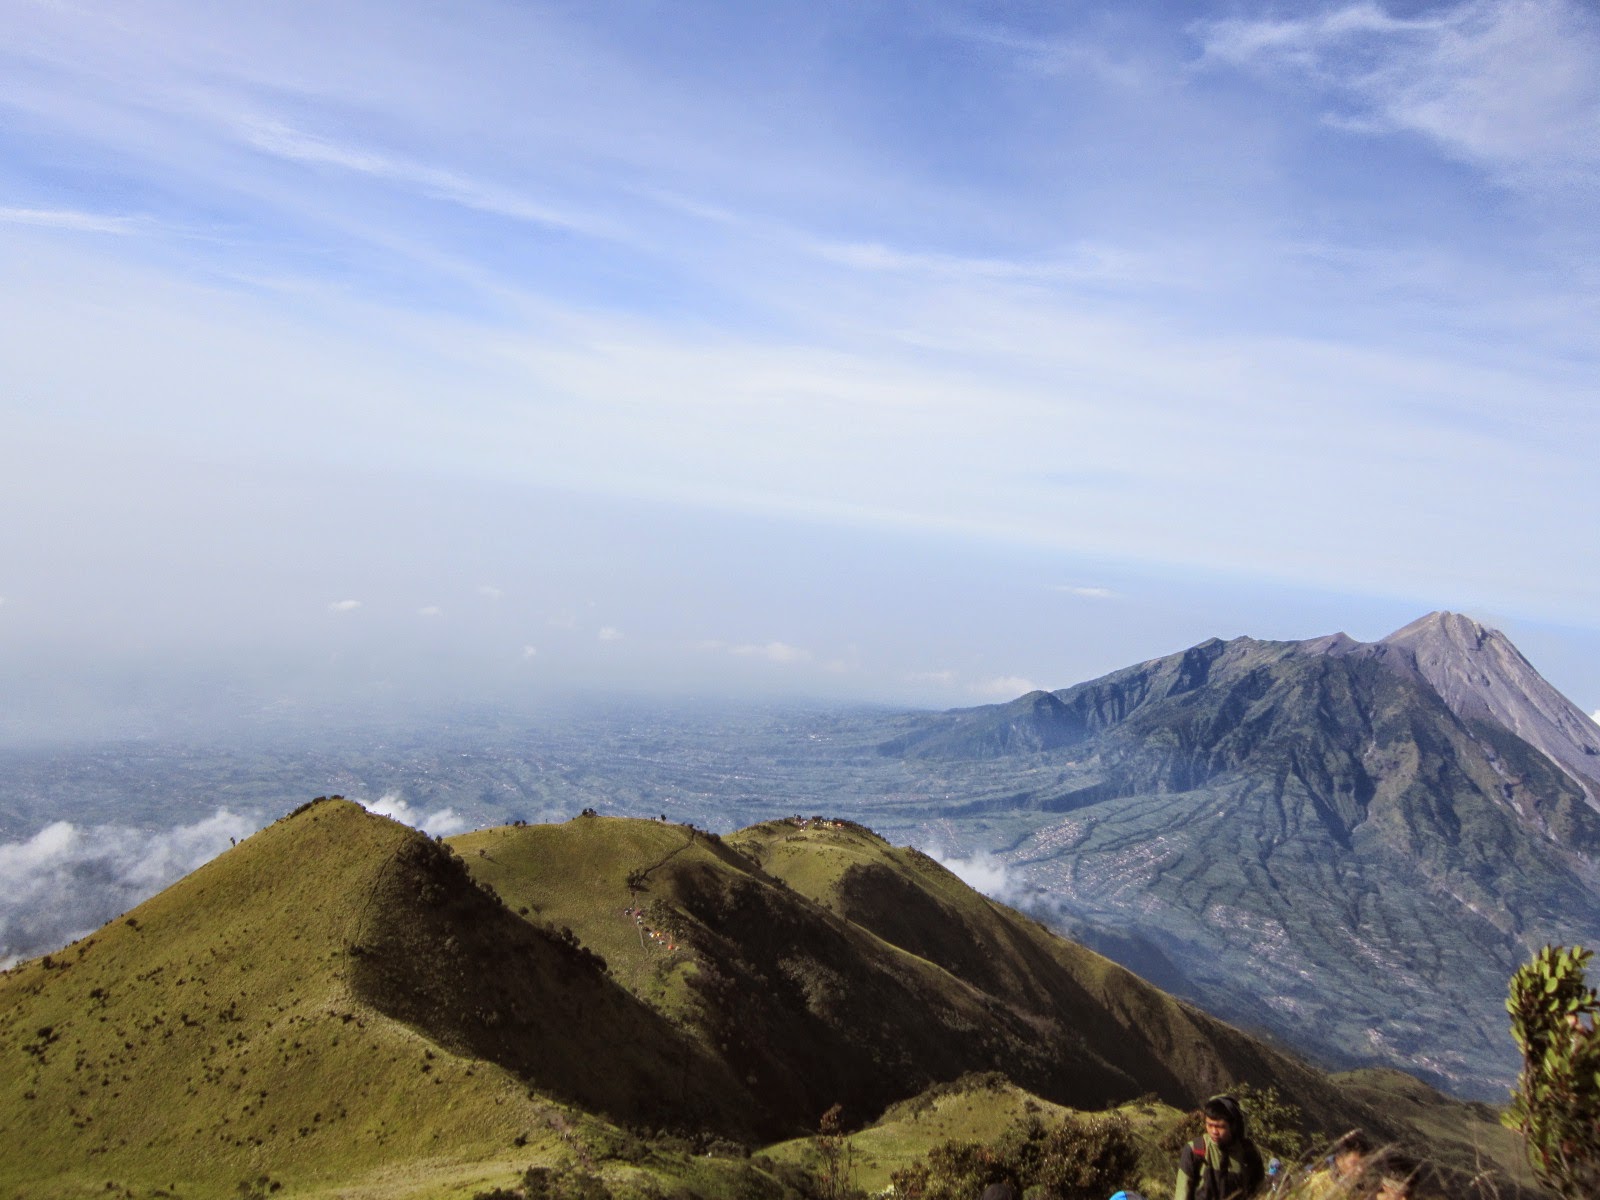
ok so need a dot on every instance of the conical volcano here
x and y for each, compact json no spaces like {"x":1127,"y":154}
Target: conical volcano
{"x":1350,"y":844}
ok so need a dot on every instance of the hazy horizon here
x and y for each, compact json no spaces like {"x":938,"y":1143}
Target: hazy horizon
{"x":918,"y":354}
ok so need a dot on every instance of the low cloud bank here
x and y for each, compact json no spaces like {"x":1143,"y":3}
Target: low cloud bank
{"x":442,"y":822}
{"x":67,"y":880}
{"x":982,"y":872}
{"x":989,"y":874}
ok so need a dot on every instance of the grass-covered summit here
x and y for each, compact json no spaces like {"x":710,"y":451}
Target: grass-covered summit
{"x":331,"y":997}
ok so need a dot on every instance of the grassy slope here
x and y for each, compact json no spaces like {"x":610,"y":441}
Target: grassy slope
{"x":809,"y":1008}
{"x":224,"y":1030}
{"x":825,"y":966}
{"x":212,"y":1035}
{"x":335,"y":1005}
{"x":905,"y":897}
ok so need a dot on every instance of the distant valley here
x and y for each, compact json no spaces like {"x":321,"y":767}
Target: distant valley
{"x":1348,"y":846}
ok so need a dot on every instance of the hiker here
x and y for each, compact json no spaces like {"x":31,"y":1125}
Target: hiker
{"x":1224,"y":1164}
{"x":1341,"y":1171}
{"x":1392,"y":1175}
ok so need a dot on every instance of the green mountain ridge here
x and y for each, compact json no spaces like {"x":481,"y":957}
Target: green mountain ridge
{"x":339,"y":1005}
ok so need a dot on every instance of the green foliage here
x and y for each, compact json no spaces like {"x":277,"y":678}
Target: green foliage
{"x":1276,"y":1125}
{"x":1556,"y":1103}
{"x":1082,"y":1158}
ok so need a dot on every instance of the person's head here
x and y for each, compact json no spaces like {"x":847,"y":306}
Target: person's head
{"x":1349,"y":1152}
{"x":1394,"y":1175}
{"x":1224,"y":1120}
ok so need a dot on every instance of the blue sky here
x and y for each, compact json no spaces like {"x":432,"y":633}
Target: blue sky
{"x":890,"y":351}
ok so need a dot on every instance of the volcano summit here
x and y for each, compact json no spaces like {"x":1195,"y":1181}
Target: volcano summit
{"x":1348,"y":844}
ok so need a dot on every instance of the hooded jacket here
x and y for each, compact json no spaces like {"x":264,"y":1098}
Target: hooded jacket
{"x":1208,"y":1170}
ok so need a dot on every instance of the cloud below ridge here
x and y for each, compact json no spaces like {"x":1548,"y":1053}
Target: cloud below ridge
{"x":68,"y":880}
{"x":440,"y":823}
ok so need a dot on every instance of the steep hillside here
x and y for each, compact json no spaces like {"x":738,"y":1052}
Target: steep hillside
{"x":329,"y":998}
{"x":1305,"y":836}
{"x":826,"y":966}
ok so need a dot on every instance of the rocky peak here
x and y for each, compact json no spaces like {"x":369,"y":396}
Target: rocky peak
{"x":1480,"y":675}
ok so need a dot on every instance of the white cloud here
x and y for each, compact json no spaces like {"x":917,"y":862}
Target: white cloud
{"x":68,"y":880}
{"x":1007,"y":687}
{"x":609,"y":633}
{"x":1513,"y":85}
{"x":344,"y":606}
{"x":777,"y":652}
{"x":490,"y":592}
{"x":1087,"y":593}
{"x":277,"y":139}
{"x":530,"y":652}
{"x":1595,"y":716}
{"x":982,"y":872}
{"x":430,"y":610}
{"x":441,"y":822}
{"x":942,"y":677}
{"x":78,"y":222}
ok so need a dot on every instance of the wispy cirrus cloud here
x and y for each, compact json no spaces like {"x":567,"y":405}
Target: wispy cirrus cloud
{"x":72,"y":219}
{"x":568,"y":248}
{"x":1511,"y":85}
{"x":273,"y":137}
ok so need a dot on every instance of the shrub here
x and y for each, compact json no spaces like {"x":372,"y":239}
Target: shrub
{"x":833,"y":1156}
{"x":1556,"y":1103}
{"x":1084,"y":1158}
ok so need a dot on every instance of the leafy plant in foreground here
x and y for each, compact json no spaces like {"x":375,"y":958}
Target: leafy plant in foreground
{"x":1556,"y":1103}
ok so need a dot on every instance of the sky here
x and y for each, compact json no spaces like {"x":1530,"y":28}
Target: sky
{"x":906,"y":353}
